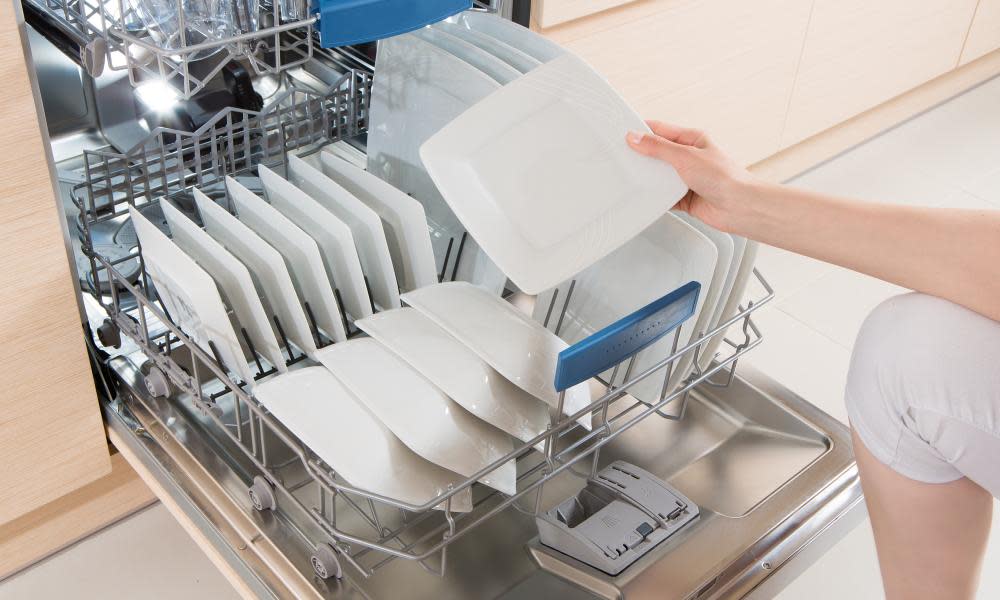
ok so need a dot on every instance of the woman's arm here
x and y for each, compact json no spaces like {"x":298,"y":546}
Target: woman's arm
{"x":950,"y":253}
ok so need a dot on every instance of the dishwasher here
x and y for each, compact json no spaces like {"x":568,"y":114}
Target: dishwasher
{"x":758,"y":481}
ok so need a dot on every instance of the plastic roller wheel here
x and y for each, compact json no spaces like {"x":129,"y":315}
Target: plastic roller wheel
{"x":156,"y":383}
{"x":325,"y":562}
{"x":92,"y":56}
{"x":109,"y":335}
{"x":261,"y":494}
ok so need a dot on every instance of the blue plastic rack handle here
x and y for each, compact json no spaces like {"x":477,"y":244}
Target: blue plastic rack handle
{"x":344,"y":22}
{"x":624,"y":338}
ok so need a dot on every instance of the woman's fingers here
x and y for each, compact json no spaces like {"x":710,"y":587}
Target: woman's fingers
{"x":679,"y":135}
{"x":656,"y":146}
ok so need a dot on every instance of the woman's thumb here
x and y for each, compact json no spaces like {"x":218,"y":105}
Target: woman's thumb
{"x":653,"y":145}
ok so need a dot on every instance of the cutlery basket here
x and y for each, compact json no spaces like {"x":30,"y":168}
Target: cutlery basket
{"x":357,"y":527}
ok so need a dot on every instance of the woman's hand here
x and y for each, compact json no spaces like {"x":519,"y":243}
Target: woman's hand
{"x":718,"y":184}
{"x":945,"y":252}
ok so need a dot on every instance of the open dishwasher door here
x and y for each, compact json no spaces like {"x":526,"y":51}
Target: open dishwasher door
{"x":773,"y":478}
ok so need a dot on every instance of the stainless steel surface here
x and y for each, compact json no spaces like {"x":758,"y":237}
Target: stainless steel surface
{"x":724,"y":555}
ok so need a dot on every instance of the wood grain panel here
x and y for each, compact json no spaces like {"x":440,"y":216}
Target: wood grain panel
{"x":725,"y":66}
{"x":549,"y":13}
{"x":984,"y":34}
{"x":806,"y":154}
{"x":859,"y":54}
{"x":58,"y":524}
{"x":51,"y":437}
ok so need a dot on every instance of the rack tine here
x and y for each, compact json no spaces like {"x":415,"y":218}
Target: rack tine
{"x":565,"y":308}
{"x":313,"y":328}
{"x":284,"y":339}
{"x":447,"y":255}
{"x":371,"y":298}
{"x":458,"y":255}
{"x":343,"y":311}
{"x":218,"y":357}
{"x":253,"y":351}
{"x":552,"y":304}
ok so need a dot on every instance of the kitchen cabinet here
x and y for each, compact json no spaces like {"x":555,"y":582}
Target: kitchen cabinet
{"x":549,"y":13}
{"x":858,"y":54}
{"x":72,"y":517}
{"x":726,"y":66}
{"x":51,"y":436}
{"x":984,"y":33}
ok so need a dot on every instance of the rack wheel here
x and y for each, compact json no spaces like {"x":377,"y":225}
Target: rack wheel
{"x":156,"y":383}
{"x":92,"y":56}
{"x":325,"y":562}
{"x":261,"y":494}
{"x":109,"y":335}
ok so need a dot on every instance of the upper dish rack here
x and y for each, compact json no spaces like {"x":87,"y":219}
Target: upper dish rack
{"x":123,"y":35}
{"x":358,"y":527}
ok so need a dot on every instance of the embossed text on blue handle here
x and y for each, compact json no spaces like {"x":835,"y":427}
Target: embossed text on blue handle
{"x":624,"y":338}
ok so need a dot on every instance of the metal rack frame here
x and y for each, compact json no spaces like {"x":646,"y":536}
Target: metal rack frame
{"x":301,"y":121}
{"x":106,"y":41}
{"x":210,"y":388}
{"x":108,"y":36}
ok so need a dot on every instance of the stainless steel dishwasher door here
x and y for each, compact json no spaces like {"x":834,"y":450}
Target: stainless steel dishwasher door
{"x":774,"y":477}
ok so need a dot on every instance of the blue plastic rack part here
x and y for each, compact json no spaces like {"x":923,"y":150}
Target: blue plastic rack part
{"x":624,"y":338}
{"x":344,"y":22}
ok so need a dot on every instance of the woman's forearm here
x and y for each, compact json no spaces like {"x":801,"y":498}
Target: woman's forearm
{"x":950,"y":253}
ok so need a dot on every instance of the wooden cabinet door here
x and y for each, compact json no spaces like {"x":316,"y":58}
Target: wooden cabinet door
{"x":984,"y":34}
{"x":860,"y":53}
{"x":549,"y":13}
{"x":725,"y":66}
{"x":52,"y":439}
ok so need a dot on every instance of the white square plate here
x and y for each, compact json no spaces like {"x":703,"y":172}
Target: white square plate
{"x":458,"y":371}
{"x":747,"y":251}
{"x":502,"y":50}
{"x":419,"y":89}
{"x":500,"y":71}
{"x":662,"y":258}
{"x":232,"y":277}
{"x":267,"y":267}
{"x":301,"y":254}
{"x":726,"y":266}
{"x":336,"y":243}
{"x":313,"y":404}
{"x":403,"y":220}
{"x":518,"y":348}
{"x":512,"y":34}
{"x":426,"y":420}
{"x":366,"y":227}
{"x":190,"y":296}
{"x":540,"y":174}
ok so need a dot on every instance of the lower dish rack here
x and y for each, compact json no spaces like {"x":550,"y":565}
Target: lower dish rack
{"x":360,"y":528}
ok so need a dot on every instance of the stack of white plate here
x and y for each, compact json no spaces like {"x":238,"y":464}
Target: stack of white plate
{"x":477,"y":125}
{"x":423,"y":81}
{"x":438,"y":393}
{"x":539,"y":173}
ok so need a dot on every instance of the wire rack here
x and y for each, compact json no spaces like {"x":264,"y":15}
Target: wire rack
{"x":112,"y":35}
{"x":362,"y":528}
{"x":123,"y":35}
{"x":395,"y":529}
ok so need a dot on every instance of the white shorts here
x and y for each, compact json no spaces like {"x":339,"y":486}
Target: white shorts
{"x":923,"y":392}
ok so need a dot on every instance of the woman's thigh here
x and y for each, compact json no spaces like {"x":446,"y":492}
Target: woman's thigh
{"x":923,"y":391}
